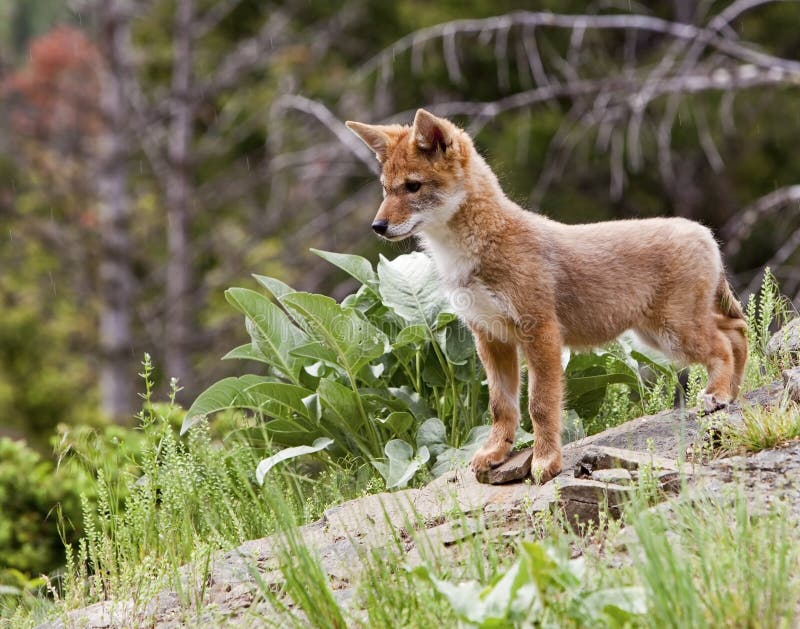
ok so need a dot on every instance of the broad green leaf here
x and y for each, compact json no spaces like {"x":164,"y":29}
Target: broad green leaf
{"x":356,"y":266}
{"x":580,"y":385}
{"x":445,"y":317}
{"x":457,"y":342}
{"x":290,"y":433}
{"x":453,"y":458}
{"x":433,"y":435}
{"x":550,"y":570}
{"x":375,"y":371}
{"x":341,"y":405}
{"x":432,"y":372}
{"x":464,"y":598}
{"x":408,"y":284}
{"x":504,"y":604}
{"x":319,"y":353}
{"x":267,"y":464}
{"x":402,"y":462}
{"x":378,"y":401}
{"x":246,"y":352}
{"x":398,"y":422}
{"x":227,"y":393}
{"x":622,"y":604}
{"x":276,"y":288}
{"x":367,"y":300}
{"x":511,"y":597}
{"x":418,"y":407}
{"x":345,"y":331}
{"x":658,"y":363}
{"x":271,"y":330}
{"x":411,"y":335}
{"x":288,"y":396}
{"x":398,"y":450}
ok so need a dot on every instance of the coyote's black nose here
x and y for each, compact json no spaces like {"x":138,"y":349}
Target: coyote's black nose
{"x":380,"y":226}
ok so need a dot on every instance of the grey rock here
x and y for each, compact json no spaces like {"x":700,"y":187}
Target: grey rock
{"x":597,"y":458}
{"x":517,"y":467}
{"x":340,"y":560}
{"x":375,"y":517}
{"x":791,"y":384}
{"x":671,"y":481}
{"x":583,"y":500}
{"x":449,"y":533}
{"x":618,"y":476}
{"x":785,"y":343}
{"x":103,"y":615}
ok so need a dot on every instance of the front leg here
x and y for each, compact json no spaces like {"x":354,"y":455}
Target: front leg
{"x":501,"y":363}
{"x":542,"y":348}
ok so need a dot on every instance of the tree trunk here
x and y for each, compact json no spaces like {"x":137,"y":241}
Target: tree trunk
{"x":117,"y":282}
{"x":178,"y":199}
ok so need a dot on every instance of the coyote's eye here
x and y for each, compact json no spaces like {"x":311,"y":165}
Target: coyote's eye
{"x":413,"y":186}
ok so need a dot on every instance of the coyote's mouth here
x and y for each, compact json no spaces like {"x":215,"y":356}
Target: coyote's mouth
{"x":406,"y":234}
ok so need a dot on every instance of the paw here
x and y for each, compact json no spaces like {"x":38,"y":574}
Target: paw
{"x":489,"y":456}
{"x":713,"y":402}
{"x":544,"y":469}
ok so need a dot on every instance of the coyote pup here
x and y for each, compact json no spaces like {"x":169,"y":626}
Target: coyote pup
{"x":519,"y":279}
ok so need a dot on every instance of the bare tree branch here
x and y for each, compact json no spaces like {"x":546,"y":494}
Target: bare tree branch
{"x":209,"y":20}
{"x":790,"y":246}
{"x":703,"y":36}
{"x":330,"y":122}
{"x":739,"y":227}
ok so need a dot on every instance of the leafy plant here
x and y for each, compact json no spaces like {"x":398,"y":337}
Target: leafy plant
{"x":610,"y":385}
{"x":374,"y":374}
{"x":542,"y":584}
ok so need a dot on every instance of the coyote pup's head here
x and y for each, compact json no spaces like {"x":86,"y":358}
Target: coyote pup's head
{"x":422,"y":173}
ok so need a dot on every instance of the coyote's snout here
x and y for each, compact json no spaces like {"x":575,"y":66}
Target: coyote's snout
{"x":520,"y":280}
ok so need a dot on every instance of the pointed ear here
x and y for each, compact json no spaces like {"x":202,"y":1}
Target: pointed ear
{"x":372,"y":136}
{"x":432,"y":133}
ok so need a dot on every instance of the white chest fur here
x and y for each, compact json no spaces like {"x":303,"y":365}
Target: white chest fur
{"x":471,"y":299}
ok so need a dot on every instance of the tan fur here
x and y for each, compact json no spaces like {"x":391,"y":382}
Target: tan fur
{"x":519,"y":279}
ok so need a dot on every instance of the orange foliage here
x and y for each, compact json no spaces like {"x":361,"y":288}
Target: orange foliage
{"x":54,"y":97}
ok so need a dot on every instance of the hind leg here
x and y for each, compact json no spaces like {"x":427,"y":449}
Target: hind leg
{"x":692,"y":324}
{"x":719,"y":362}
{"x":700,"y":340}
{"x":735,"y":330}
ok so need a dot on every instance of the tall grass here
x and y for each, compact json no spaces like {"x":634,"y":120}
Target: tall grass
{"x":179,"y":500}
{"x":704,"y":563}
{"x":717,"y":563}
{"x":761,"y":428}
{"x":766,"y":311}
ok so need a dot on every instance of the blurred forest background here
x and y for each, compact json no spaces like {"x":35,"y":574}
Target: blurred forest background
{"x":155,"y":152}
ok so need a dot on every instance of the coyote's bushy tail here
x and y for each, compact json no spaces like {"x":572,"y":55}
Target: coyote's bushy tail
{"x":729,"y":306}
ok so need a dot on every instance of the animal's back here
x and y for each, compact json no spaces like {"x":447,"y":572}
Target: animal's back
{"x":617,"y":275}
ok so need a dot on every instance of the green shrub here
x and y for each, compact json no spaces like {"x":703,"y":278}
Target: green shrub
{"x":388,"y":376}
{"x":33,"y":495}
